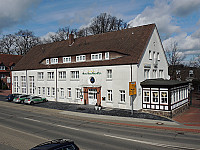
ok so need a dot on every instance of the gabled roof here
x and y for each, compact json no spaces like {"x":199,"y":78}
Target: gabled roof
{"x":132,"y":42}
{"x":8,"y":60}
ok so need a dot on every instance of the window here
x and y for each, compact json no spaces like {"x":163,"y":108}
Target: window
{"x":48,"y":91}
{"x":150,"y":55}
{"x":52,"y":91}
{"x":146,"y":74}
{"x":62,"y":74}
{"x":107,"y":55}
{"x":2,"y":68}
{"x":80,"y":58}
{"x":61,"y":92}
{"x":163,"y":97}
{"x":158,"y":56}
{"x":146,"y":96}
{"x":109,"y":92}
{"x":47,"y":61}
{"x":74,"y":74}
{"x":155,"y":97}
{"x":50,"y":75}
{"x":122,"y":95}
{"x":39,"y":91}
{"x":96,"y":56}
{"x":77,"y":93}
{"x":31,"y":84}
{"x":23,"y":84}
{"x":43,"y":91}
{"x":69,"y":93}
{"x":161,"y":74}
{"x":15,"y":84}
{"x":2,"y":75}
{"x":191,"y":73}
{"x":40,"y":75}
{"x":54,"y":60}
{"x":154,"y":73}
{"x":154,"y":56}
{"x":66,"y":59}
{"x":109,"y":74}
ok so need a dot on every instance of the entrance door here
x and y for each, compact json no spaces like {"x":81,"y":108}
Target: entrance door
{"x":92,"y":96}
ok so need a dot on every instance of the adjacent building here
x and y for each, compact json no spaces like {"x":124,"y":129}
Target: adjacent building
{"x":7,"y":62}
{"x":94,"y":69}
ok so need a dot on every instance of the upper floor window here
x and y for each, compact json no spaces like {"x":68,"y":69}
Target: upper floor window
{"x":40,"y":75}
{"x":191,"y":73}
{"x":66,"y":59}
{"x":146,"y":73}
{"x":158,"y":56}
{"x":96,"y":56}
{"x":54,"y":60}
{"x":122,"y":96}
{"x":50,"y":75}
{"x":62,"y":74}
{"x":47,"y":61}
{"x":161,"y":74}
{"x":80,"y":58}
{"x":107,"y":55}
{"x":150,"y":55}
{"x":154,"y":73}
{"x":2,"y":68}
{"x":74,"y":74}
{"x":109,"y":74}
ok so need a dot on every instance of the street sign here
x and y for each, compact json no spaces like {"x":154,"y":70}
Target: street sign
{"x":132,"y":88}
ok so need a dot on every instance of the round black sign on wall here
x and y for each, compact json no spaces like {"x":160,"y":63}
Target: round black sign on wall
{"x":92,"y":80}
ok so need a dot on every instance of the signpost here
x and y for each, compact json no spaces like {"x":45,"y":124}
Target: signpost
{"x":132,"y":93}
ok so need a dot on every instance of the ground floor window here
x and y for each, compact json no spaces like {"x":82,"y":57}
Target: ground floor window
{"x":15,"y":84}
{"x":164,"y":97}
{"x":122,"y":95}
{"x":48,"y":91}
{"x":52,"y":91}
{"x":23,"y":84}
{"x":146,"y":96}
{"x":39,"y":92}
{"x":109,"y":92}
{"x":61,"y":92}
{"x":155,"y":97}
{"x":77,"y":93}
{"x":69,"y":93}
{"x":43,"y":91}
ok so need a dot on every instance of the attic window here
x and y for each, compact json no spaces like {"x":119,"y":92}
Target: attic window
{"x":66,"y":59}
{"x":47,"y":61}
{"x":107,"y":55}
{"x":2,"y":68}
{"x":80,"y":58}
{"x":54,"y":60}
{"x":96,"y":56}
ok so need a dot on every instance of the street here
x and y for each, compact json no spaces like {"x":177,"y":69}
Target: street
{"x":24,"y":126}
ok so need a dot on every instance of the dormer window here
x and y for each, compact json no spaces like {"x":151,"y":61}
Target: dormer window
{"x":47,"y":61}
{"x":96,"y":56}
{"x":2,"y":68}
{"x":54,"y":60}
{"x":107,"y":55}
{"x":80,"y":58}
{"x":66,"y":59}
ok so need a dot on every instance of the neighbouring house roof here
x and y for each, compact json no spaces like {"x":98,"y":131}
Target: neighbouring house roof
{"x":161,"y":83}
{"x":131,"y":42}
{"x":9,"y":60}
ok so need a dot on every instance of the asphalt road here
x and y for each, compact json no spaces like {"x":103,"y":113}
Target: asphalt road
{"x":24,"y":126}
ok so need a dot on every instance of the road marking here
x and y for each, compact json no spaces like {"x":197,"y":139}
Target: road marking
{"x":52,"y":124}
{"x":150,"y":143}
{"x":32,"y":119}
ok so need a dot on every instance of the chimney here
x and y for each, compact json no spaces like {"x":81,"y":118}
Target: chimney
{"x":71,"y":39}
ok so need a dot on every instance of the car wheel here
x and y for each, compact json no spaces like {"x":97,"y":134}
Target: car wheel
{"x":31,"y":103}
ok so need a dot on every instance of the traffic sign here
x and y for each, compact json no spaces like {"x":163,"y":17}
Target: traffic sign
{"x":132,"y":88}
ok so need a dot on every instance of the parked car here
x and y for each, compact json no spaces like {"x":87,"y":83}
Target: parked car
{"x":20,"y":98}
{"x":10,"y":97}
{"x":34,"y":99}
{"x":58,"y":144}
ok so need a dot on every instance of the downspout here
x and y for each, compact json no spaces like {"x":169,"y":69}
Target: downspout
{"x":26,"y":82}
{"x":56,"y":86}
{"x":129,"y":89}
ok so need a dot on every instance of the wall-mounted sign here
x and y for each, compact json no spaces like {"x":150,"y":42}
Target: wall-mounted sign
{"x":92,"y":80}
{"x":132,"y":88}
{"x":91,"y":73}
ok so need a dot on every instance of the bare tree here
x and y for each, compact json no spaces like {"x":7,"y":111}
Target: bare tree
{"x":25,"y":40}
{"x":195,"y":61}
{"x":7,"y":44}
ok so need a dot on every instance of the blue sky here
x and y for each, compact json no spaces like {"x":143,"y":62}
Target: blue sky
{"x":177,"y":20}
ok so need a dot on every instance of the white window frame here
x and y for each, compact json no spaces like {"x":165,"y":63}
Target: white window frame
{"x":52,"y":91}
{"x":31,"y":85}
{"x":62,"y":94}
{"x":62,"y":75}
{"x":16,"y":84}
{"x":150,"y":55}
{"x":43,"y":91}
{"x":146,"y":73}
{"x":74,"y":74}
{"x":158,"y":56}
{"x":109,"y":94}
{"x":47,"y":61}
{"x":48,"y":91}
{"x":155,"y":74}
{"x":69,"y":93}
{"x":23,"y":84}
{"x":161,"y":97}
{"x":109,"y":74}
{"x":67,"y":59}
{"x":80,"y":58}
{"x":161,"y":75}
{"x":107,"y":55}
{"x":145,"y":97}
{"x":97,"y":56}
{"x":154,"y":98}
{"x":122,"y":96}
{"x":54,"y":60}
{"x":39,"y":90}
{"x":50,"y":75}
{"x":40,"y":75}
{"x":78,"y":92}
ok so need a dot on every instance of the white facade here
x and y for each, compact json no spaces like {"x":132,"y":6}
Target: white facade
{"x":69,"y":84}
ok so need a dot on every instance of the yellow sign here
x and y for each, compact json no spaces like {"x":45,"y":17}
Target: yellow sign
{"x":132,"y":88}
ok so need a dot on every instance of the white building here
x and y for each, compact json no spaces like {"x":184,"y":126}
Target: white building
{"x":93,"y":69}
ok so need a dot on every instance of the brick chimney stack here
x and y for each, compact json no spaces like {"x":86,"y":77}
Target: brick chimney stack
{"x":71,"y":39}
